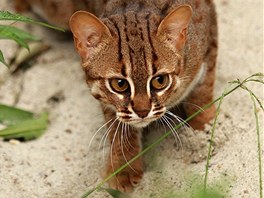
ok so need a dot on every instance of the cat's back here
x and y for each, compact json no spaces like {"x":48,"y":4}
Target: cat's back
{"x":161,"y":7}
{"x":58,"y":12}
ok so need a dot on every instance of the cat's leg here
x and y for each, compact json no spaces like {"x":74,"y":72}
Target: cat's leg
{"x":203,"y":93}
{"x":200,"y":96}
{"x":125,"y":144}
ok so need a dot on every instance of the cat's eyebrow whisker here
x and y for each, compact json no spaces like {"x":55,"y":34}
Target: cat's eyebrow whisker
{"x":98,"y":132}
{"x":185,"y":79}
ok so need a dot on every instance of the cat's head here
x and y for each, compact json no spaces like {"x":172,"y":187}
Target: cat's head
{"x":133,"y":61}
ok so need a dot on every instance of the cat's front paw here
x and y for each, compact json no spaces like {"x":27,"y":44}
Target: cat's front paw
{"x":126,"y":181}
{"x":128,"y":178}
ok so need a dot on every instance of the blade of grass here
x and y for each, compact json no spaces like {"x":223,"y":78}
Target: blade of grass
{"x":28,"y":129}
{"x":160,"y":139}
{"x":6,"y":34}
{"x":211,"y":143}
{"x":156,"y":142}
{"x":11,"y":115}
{"x":2,"y":59}
{"x":115,"y":193}
{"x":259,"y":145}
{"x":5,"y":15}
{"x":254,"y":98}
{"x":18,"y":32}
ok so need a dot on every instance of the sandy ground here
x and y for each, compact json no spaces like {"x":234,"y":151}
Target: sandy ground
{"x":59,"y":164}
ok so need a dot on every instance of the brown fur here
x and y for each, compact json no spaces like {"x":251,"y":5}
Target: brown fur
{"x":137,"y":41}
{"x":58,"y":12}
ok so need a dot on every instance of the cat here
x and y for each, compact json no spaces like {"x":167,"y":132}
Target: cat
{"x":142,"y":59}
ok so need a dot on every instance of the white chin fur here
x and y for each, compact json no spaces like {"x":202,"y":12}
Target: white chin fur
{"x":140,"y":124}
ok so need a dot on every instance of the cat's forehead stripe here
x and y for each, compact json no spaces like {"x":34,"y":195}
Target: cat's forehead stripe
{"x":135,"y":48}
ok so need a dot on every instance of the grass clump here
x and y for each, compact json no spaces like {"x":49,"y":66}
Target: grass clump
{"x":21,"y":37}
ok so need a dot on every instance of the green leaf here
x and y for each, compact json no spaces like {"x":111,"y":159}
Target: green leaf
{"x":5,"y":15}
{"x":112,"y":192}
{"x":210,"y":193}
{"x":10,"y":115}
{"x":2,"y":60}
{"x":22,"y":34}
{"x":5,"y":33}
{"x":28,"y":129}
{"x":115,"y":193}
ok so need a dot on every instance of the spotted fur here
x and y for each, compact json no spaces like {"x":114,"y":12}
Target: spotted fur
{"x":136,"y":42}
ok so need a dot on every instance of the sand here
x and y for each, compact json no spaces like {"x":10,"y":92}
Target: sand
{"x":59,"y":163}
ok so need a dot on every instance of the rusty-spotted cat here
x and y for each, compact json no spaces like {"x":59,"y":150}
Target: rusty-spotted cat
{"x":142,"y":58}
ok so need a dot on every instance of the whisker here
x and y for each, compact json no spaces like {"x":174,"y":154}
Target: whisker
{"x":161,"y":121}
{"x":105,"y":137}
{"x":113,"y":142}
{"x":186,"y":125}
{"x":171,"y":128}
{"x":179,"y":119}
{"x":127,"y":133}
{"x":107,"y":131}
{"x":122,"y":149}
{"x":174,"y":131}
{"x":195,"y":105}
{"x":97,"y":132}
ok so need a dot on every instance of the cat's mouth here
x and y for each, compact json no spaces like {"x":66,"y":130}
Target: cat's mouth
{"x":139,"y":123}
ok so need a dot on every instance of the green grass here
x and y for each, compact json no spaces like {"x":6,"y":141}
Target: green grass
{"x":21,"y":124}
{"x":21,"y":37}
{"x":202,"y":190}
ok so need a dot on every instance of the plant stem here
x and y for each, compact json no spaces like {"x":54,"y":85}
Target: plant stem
{"x":254,"y":99}
{"x":211,"y":142}
{"x":158,"y":141}
{"x":259,"y":146}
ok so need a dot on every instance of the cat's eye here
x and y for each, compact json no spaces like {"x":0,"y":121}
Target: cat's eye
{"x":160,"y":82}
{"x":119,"y":85}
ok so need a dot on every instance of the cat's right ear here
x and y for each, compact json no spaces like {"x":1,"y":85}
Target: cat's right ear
{"x":88,"y":32}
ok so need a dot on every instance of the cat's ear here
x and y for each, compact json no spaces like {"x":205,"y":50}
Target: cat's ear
{"x":174,"y":25}
{"x":88,"y":32}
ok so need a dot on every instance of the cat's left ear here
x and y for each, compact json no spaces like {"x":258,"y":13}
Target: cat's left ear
{"x":174,"y":25}
{"x":88,"y":32}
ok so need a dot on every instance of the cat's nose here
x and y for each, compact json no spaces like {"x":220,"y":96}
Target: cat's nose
{"x":142,"y":113}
